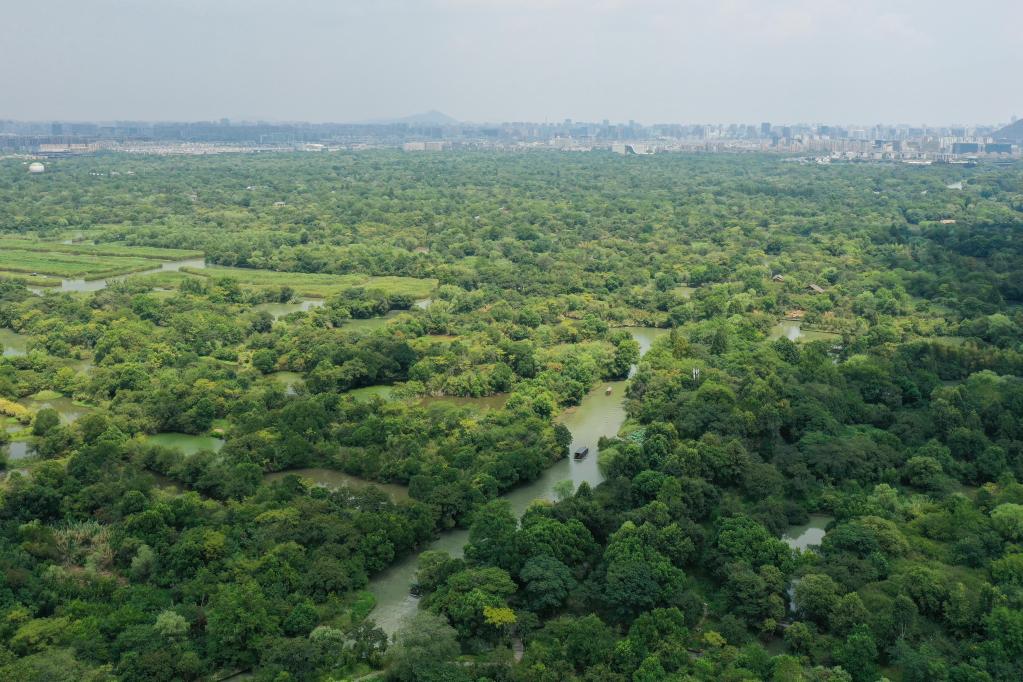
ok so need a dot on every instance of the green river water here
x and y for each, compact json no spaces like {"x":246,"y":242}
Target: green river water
{"x":598,"y":415}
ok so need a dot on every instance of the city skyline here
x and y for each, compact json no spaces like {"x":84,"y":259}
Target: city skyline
{"x":413,"y":120}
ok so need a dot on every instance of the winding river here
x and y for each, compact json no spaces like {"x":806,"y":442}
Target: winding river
{"x":599,"y":414}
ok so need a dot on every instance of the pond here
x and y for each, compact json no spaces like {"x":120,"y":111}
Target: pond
{"x":599,"y":414}
{"x":382,"y":391}
{"x":370,"y":323}
{"x":66,"y":408}
{"x":790,"y":329}
{"x":329,"y":478}
{"x":185,"y":442}
{"x":287,"y":379}
{"x":25,"y":473}
{"x":684,"y":291}
{"x":18,"y":449}
{"x":87,"y":285}
{"x":802,"y":537}
{"x":14,"y":344}
{"x":83,"y":365}
{"x":807,"y":534}
{"x":279,"y":310}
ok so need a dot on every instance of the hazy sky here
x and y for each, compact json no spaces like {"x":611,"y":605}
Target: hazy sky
{"x":933,"y":61}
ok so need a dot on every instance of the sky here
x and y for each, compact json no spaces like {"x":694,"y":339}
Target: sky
{"x":833,"y":61}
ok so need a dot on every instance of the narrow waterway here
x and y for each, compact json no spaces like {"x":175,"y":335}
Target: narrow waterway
{"x":87,"y":285}
{"x":599,"y":414}
{"x":803,"y":537}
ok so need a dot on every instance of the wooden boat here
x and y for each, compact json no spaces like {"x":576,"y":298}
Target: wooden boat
{"x":581,"y":453}
{"x":607,"y":391}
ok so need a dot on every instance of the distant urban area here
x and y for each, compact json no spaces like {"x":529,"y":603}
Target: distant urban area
{"x":435,"y":131}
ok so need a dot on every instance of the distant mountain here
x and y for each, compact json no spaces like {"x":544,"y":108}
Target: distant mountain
{"x":1012,"y":132}
{"x":429,"y":118}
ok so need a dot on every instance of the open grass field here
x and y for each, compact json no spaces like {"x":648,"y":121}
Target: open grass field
{"x":119,"y":250}
{"x":30,"y":280}
{"x":165,"y":279}
{"x":38,"y":263}
{"x":72,"y":266}
{"x":316,"y":284}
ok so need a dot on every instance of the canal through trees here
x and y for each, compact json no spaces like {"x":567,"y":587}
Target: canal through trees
{"x":599,"y":414}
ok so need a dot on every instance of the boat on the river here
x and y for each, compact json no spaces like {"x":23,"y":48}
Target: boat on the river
{"x":581,"y":453}
{"x":607,"y":391}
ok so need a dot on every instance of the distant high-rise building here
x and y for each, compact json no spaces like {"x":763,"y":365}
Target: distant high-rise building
{"x":765,"y":129}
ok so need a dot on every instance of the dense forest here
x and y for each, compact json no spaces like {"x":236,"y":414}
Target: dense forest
{"x":842,"y":346}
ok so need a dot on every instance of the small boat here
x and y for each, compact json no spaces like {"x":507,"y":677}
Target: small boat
{"x":581,"y":452}
{"x":607,"y":391}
